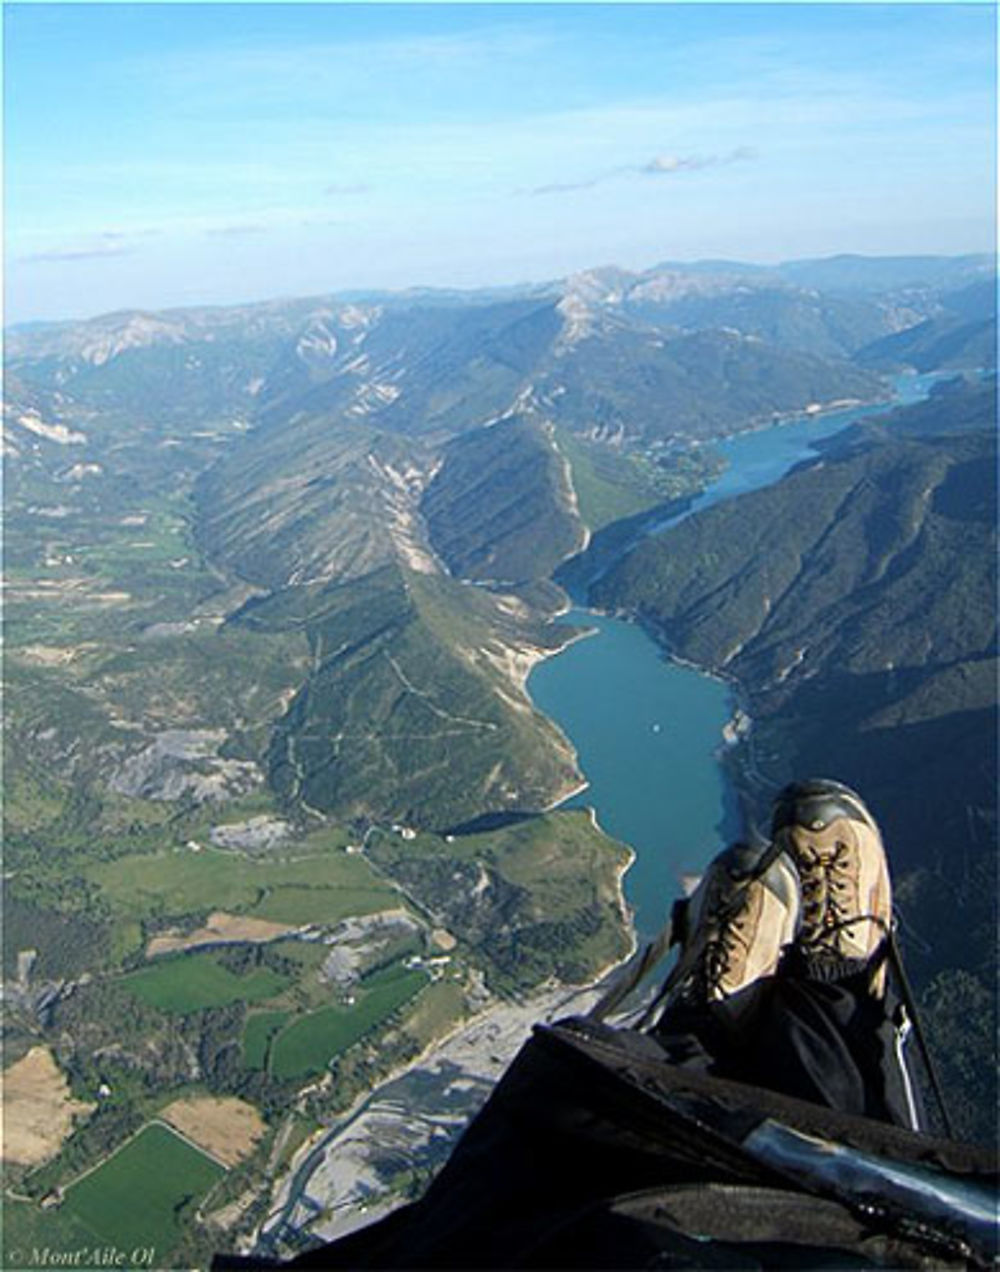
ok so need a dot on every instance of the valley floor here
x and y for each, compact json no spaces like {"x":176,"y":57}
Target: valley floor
{"x":351,"y":1176}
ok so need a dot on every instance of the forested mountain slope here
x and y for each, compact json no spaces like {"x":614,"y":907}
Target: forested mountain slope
{"x":854,"y":602}
{"x":502,"y":506}
{"x":313,"y":443}
{"x":414,"y":708}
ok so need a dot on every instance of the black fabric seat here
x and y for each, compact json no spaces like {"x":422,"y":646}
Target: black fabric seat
{"x":592,"y":1152}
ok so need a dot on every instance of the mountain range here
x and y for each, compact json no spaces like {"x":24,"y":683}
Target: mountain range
{"x":402,"y":442}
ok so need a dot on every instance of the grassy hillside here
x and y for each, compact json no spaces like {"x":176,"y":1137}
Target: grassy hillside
{"x":534,"y":898}
{"x":414,"y":710}
{"x":615,"y":484}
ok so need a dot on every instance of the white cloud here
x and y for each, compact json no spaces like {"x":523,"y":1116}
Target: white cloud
{"x":661,"y":165}
{"x":65,"y":256}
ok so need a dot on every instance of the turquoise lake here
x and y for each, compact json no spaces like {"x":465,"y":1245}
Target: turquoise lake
{"x":645,"y":731}
{"x":648,"y":731}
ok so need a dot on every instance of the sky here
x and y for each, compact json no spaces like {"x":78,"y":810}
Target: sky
{"x":173,"y":154}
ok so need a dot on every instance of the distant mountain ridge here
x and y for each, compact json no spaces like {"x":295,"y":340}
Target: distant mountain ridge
{"x":887,"y":279}
{"x":834,"y":274}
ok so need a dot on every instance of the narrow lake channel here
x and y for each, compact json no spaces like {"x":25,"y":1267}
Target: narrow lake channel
{"x":647,"y":730}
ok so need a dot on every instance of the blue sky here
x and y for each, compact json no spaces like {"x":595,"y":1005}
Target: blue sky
{"x":178,"y":154}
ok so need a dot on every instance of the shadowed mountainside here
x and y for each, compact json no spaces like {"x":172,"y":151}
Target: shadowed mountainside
{"x":854,"y":602}
{"x":501,"y":506}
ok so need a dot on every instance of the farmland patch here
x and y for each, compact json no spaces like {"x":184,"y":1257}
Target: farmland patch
{"x":38,"y":1110}
{"x":325,"y":886}
{"x":220,"y":928}
{"x":144,"y":1195}
{"x":226,"y":1127}
{"x":318,"y":904}
{"x":194,"y":981}
{"x":308,"y":1045}
{"x":257,"y":1034}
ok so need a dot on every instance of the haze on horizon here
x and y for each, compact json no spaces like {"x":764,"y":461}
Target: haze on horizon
{"x":182,"y":154}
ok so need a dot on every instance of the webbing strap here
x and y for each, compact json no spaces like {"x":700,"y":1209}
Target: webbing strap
{"x":634,"y":971}
{"x":909,"y":1002}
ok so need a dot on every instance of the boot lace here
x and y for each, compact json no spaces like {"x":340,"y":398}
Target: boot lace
{"x":827,"y":895}
{"x":830,"y":902}
{"x":721,"y":946}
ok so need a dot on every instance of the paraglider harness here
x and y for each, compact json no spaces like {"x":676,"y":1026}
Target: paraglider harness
{"x":595,"y":1152}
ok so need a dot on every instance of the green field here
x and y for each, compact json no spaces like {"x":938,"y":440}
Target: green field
{"x":608,"y":485}
{"x":308,"y":1045}
{"x":194,"y":981}
{"x":441,"y":1006}
{"x":26,"y":1228}
{"x":308,"y":955}
{"x":144,"y":1195}
{"x":316,"y":904}
{"x":259,"y":1031}
{"x":324,"y":887}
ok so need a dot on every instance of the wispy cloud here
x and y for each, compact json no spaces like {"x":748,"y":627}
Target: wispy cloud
{"x":659,"y":166}
{"x":666,"y":165}
{"x":567,"y":187}
{"x":235,"y":231}
{"x":120,"y":236}
{"x":66,"y":256}
{"x":339,"y":189}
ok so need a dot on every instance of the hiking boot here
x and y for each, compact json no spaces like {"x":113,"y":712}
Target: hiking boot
{"x":735,"y":927}
{"x":835,"y":844}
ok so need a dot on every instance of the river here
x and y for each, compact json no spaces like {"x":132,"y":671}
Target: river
{"x":647,"y":730}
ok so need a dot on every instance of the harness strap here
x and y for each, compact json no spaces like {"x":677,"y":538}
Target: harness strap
{"x":633,"y":972}
{"x":909,"y":1002}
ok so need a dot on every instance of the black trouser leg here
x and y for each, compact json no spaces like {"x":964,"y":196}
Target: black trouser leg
{"x":831,"y":1042}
